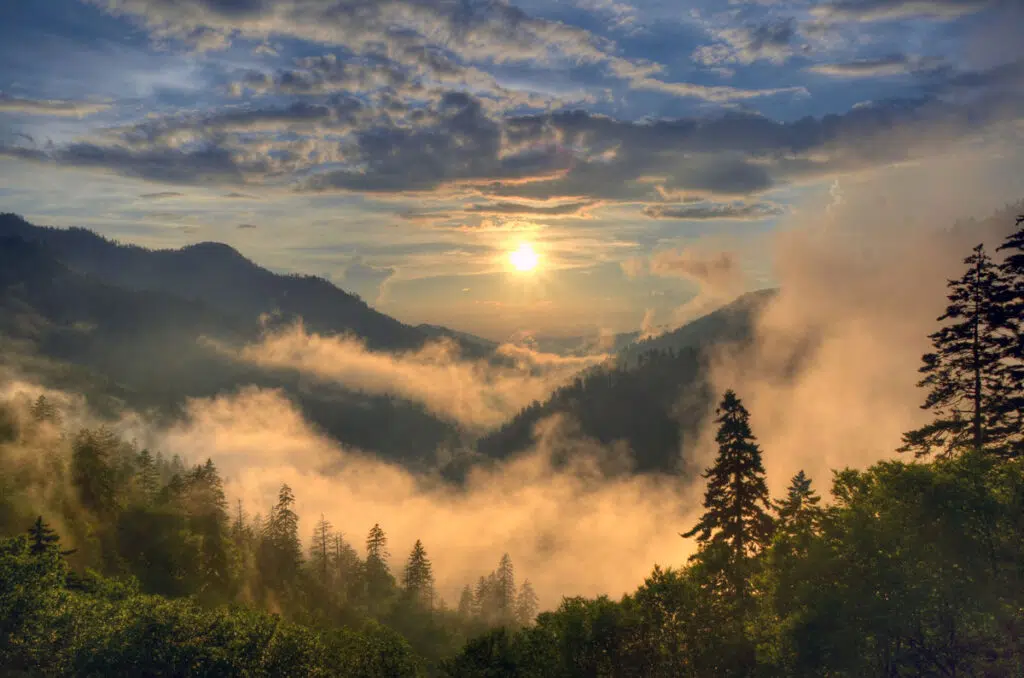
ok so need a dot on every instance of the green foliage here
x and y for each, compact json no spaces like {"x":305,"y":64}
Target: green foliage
{"x":736,"y":522}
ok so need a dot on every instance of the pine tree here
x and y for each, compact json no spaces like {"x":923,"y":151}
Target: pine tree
{"x":505,"y":595}
{"x":146,"y":477}
{"x":466,"y":603}
{"x":280,"y":549}
{"x":963,"y":373}
{"x":1010,"y":298}
{"x":736,"y":501}
{"x":43,"y":538}
{"x":379,"y":581}
{"x":43,"y":410}
{"x":799,"y":510}
{"x":320,"y":550}
{"x":418,"y":577}
{"x":526,"y":604}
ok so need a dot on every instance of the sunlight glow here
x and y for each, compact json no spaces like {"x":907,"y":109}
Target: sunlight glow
{"x":524,"y":258}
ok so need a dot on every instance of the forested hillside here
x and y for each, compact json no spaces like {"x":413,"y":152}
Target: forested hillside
{"x":119,"y":561}
{"x":652,"y":395}
{"x":140,"y":342}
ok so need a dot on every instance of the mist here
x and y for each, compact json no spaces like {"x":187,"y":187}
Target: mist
{"x":478,"y":394}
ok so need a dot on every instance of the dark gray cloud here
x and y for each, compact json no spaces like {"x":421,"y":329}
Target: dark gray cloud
{"x":879,"y":10}
{"x":12,"y":104}
{"x":515,"y":208}
{"x":715,"y":211}
{"x":162,"y":195}
{"x":202,"y":166}
{"x":771,"y":41}
{"x":454,"y":141}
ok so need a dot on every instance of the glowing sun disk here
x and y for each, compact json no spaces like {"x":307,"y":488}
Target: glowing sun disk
{"x":524,"y":258}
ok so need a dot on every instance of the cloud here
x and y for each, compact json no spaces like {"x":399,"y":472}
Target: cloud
{"x":881,"y":10}
{"x":718,"y":270}
{"x":474,"y":393}
{"x":162,"y":195}
{"x":570,"y":209}
{"x":894,"y":64}
{"x":770,"y":41}
{"x":546,"y":519}
{"x":77,"y":109}
{"x":364,"y":279}
{"x":246,"y":226}
{"x":831,"y":381}
{"x":714,"y":211}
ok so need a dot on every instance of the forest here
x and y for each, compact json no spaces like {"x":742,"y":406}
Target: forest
{"x":119,"y":561}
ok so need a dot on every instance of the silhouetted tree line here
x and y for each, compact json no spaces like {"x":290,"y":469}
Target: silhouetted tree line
{"x":913,"y":570}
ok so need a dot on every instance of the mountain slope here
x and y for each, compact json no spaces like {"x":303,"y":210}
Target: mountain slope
{"x":144,"y":347}
{"x":221,"y":278}
{"x":654,"y":396}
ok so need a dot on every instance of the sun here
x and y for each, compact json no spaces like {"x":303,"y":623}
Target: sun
{"x":524,"y":258}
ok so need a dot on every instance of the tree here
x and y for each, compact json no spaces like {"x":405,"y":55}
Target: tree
{"x":1010,"y":298}
{"x":42,"y":538}
{"x":799,"y":510}
{"x":320,"y":550}
{"x":736,"y":501}
{"x":379,"y":582}
{"x":505,"y":595}
{"x":963,"y":373}
{"x":466,"y":603}
{"x":526,"y":604}
{"x":280,"y":549}
{"x":418,"y":577}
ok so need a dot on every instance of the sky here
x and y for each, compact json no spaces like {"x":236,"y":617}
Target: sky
{"x":646,"y":150}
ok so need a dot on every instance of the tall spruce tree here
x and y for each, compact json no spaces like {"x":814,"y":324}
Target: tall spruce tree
{"x":963,"y":374}
{"x":1010,"y":297}
{"x":418,"y":577}
{"x":736,"y":501}
{"x":526,"y":604}
{"x":798,"y":511}
{"x":379,"y":581}
{"x":320,"y":551}
{"x":505,"y":595}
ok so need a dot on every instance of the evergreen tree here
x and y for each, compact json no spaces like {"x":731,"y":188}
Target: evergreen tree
{"x":466,"y":603}
{"x":526,"y":604}
{"x":379,"y":581}
{"x":736,"y":501}
{"x":418,"y":577}
{"x":799,"y":510}
{"x":280,"y":549}
{"x":320,"y":551}
{"x":505,"y":595}
{"x":1010,"y":297}
{"x":963,"y":373}
{"x":42,"y":538}
{"x":147,"y":480}
{"x":43,"y":410}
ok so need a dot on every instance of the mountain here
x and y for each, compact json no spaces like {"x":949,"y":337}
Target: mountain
{"x":141,"y":345}
{"x":731,"y":322}
{"x":654,"y":395}
{"x":221,"y":278}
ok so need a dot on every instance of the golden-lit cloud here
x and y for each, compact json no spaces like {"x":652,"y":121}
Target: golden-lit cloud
{"x":474,"y":393}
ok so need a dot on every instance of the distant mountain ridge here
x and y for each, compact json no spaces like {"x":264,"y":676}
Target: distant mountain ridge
{"x":219,"y":276}
{"x":125,"y":333}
